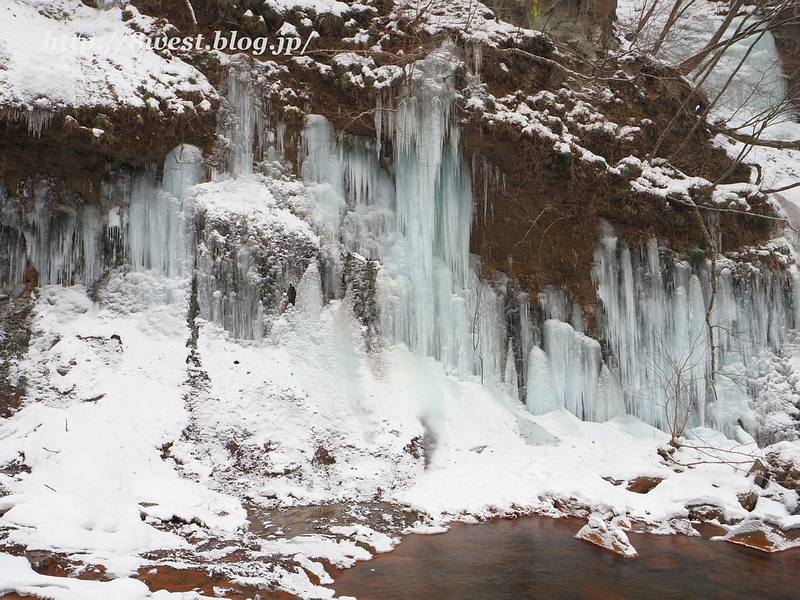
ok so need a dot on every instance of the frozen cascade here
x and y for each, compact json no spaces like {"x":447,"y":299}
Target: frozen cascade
{"x":563,"y":367}
{"x":449,"y":313}
{"x":250,"y":252}
{"x":59,"y":238}
{"x":610,"y":399}
{"x":13,"y":260}
{"x":354,"y":195}
{"x":510,"y":377}
{"x":394,"y":251}
{"x":156,"y":229}
{"x":542,"y":394}
{"x":183,"y":168}
{"x":429,"y":295}
{"x":575,"y":360}
{"x":556,"y":304}
{"x":13,"y":257}
{"x":244,"y":122}
{"x":242,"y":126}
{"x":526,"y":339}
{"x":653,"y":321}
{"x":753,"y":65}
{"x":153,"y":226}
{"x":656,"y":346}
{"x":758,"y":86}
{"x":136,"y":222}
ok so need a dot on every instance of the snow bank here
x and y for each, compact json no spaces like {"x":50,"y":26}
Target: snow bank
{"x":108,"y":383}
{"x":17,"y":576}
{"x":61,"y":53}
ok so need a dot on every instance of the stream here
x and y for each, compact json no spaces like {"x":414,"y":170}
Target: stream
{"x":538,"y":557}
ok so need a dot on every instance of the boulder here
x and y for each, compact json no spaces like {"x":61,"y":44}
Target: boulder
{"x":600,"y":533}
{"x":748,"y":500}
{"x":761,"y":473}
{"x":642,"y":485}
{"x":754,"y":533}
{"x":706,"y":512}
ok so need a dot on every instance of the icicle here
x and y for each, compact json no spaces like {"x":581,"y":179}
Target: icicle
{"x":156,"y":229}
{"x":13,"y":257}
{"x":575,"y":361}
{"x":525,"y":332}
{"x":378,"y":124}
{"x":280,"y":135}
{"x":653,"y":322}
{"x":37,"y":119}
{"x":610,"y":400}
{"x":510,"y":374}
{"x":309,"y":293}
{"x":243,"y":122}
{"x":243,"y":116}
{"x":542,"y":393}
{"x":92,"y":225}
{"x":183,"y":168}
{"x":429,"y":296}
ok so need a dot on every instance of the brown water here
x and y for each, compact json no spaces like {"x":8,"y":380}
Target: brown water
{"x":538,"y":557}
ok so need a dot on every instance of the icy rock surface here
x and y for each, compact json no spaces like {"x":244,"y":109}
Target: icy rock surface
{"x":250,"y":255}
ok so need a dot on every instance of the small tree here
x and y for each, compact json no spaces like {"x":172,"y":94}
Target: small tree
{"x":680,"y":379}
{"x":654,"y":36}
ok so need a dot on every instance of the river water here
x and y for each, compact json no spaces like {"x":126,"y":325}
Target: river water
{"x":538,"y":557}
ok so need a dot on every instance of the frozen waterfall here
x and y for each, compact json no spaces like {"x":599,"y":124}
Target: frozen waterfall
{"x":384,"y":249}
{"x":136,"y":222}
{"x":415,"y":228}
{"x":652,"y":355}
{"x":652,"y":318}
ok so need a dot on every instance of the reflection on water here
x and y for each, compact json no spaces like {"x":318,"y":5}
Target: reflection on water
{"x":538,"y":557}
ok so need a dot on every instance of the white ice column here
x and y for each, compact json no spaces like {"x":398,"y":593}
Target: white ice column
{"x":542,"y":393}
{"x":576,"y":360}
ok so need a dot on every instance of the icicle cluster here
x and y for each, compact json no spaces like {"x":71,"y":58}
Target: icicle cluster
{"x":136,"y":222}
{"x":653,"y":320}
{"x":429,"y":295}
{"x":36,"y":118}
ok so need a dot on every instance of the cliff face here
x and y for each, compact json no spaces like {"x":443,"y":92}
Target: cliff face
{"x":585,"y":27}
{"x":531,"y":125}
{"x":556,"y":154}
